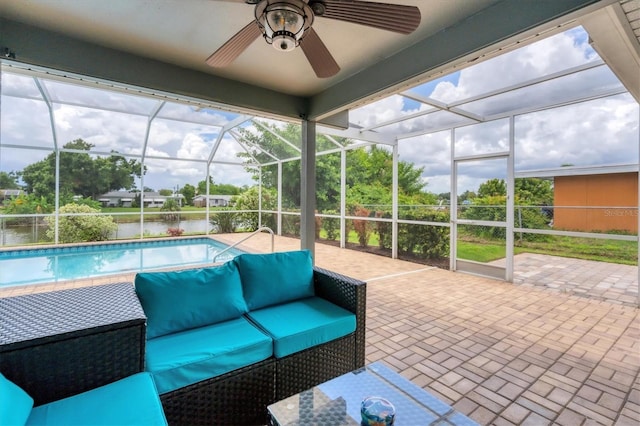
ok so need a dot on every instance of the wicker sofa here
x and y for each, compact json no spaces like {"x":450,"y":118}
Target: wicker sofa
{"x":201,"y":390}
{"x":62,"y":343}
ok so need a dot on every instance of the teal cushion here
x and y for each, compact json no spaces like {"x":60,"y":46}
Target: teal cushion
{"x":299,"y":325}
{"x":15,"y":403}
{"x":181,"y":300}
{"x":133,"y":400}
{"x":188,"y":357}
{"x":274,"y":278}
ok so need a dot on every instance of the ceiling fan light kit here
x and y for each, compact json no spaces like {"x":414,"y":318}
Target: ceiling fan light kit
{"x":287,"y":24}
{"x":284,"y":23}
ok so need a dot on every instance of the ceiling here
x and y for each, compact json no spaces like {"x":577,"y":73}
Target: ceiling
{"x":163,"y":45}
{"x":185,"y":33}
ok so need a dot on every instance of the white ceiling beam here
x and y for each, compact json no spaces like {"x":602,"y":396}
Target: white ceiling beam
{"x":613,"y":38}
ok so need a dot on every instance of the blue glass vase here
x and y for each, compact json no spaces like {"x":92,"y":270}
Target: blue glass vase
{"x":377,"y":411}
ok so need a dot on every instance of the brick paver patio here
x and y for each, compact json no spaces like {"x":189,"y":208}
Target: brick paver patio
{"x":612,"y":282}
{"x":500,"y":353}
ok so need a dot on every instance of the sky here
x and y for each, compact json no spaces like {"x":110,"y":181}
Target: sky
{"x":598,"y":132}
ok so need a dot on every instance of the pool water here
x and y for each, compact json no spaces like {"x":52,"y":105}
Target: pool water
{"x":32,"y":266}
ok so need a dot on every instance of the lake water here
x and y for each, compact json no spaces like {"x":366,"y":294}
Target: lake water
{"x":29,"y":234}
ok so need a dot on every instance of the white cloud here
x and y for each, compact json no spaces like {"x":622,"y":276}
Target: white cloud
{"x":193,"y":146}
{"x":603,"y":131}
{"x":600,"y":132}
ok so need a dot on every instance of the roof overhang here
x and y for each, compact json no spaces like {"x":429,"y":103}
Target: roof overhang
{"x":614,"y":40}
{"x":490,"y":31}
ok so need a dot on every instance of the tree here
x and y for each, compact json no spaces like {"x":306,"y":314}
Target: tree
{"x":165,"y":192}
{"x":248,"y":200}
{"x":189,"y":191}
{"x":530,"y":191}
{"x":82,"y":228}
{"x":27,"y":204}
{"x":492,"y":188}
{"x":217,"y":189}
{"x":371,"y":167}
{"x":534,"y":191}
{"x":80,"y":173}
{"x":171,"y":207}
{"x":375,"y":165}
{"x":466,"y":196}
{"x":9,"y":180}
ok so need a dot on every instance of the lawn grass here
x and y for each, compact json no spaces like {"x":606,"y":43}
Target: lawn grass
{"x":480,"y":251}
{"x":153,"y":213}
{"x":612,"y":251}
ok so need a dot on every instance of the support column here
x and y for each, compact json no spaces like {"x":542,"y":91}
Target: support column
{"x":279,"y":222}
{"x":260,"y":198}
{"x":453,"y":204}
{"x":57,"y":201}
{"x":394,"y":204}
{"x":308,"y":187}
{"x":343,"y":198}
{"x":207,"y":214}
{"x":511,"y":182}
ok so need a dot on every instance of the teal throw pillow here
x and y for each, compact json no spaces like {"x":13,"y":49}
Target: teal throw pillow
{"x":15,"y":403}
{"x":274,"y":278}
{"x":182,"y":300}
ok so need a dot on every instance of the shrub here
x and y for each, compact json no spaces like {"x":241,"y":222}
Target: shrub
{"x":532,"y":218}
{"x":331,"y":225}
{"x":269,"y":220}
{"x":291,"y":224}
{"x":26,"y":204}
{"x":248,"y":200}
{"x":75,"y":229}
{"x":172,"y":207}
{"x":224,"y":222}
{"x":362,"y":227}
{"x":175,"y":232}
{"x":492,"y":208}
{"x":384,"y":230}
{"x":425,"y":241}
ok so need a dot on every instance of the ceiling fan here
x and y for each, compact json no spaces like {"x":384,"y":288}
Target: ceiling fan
{"x":286,"y":24}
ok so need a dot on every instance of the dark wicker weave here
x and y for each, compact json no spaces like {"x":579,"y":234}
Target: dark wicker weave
{"x":236,"y":398}
{"x":313,"y":366}
{"x":61,"y":343}
{"x":241,"y":396}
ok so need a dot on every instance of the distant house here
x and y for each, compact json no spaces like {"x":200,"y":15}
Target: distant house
{"x":214,"y":200}
{"x":593,"y":199}
{"x":7,"y":194}
{"x":610,"y":202}
{"x":126,"y":199}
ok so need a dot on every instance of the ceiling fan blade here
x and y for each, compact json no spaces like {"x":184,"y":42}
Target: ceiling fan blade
{"x":391,"y":17}
{"x":237,"y":44}
{"x":318,"y":55}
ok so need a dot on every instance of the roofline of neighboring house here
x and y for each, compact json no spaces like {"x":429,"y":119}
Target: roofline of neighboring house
{"x":578,"y":171}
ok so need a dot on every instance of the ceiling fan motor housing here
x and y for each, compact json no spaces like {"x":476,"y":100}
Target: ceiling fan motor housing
{"x":284,"y":22}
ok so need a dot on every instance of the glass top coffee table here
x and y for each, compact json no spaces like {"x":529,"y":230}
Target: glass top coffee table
{"x":337,"y":402}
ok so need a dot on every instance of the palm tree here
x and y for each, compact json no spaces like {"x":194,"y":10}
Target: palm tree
{"x":171,"y":206}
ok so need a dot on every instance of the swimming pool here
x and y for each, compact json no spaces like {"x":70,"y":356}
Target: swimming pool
{"x":33,"y":266}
